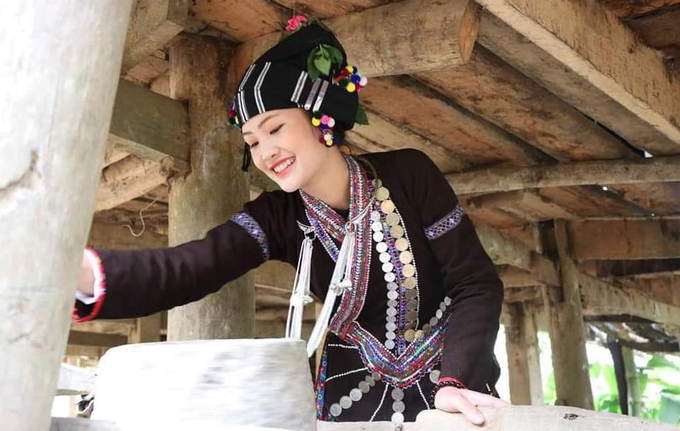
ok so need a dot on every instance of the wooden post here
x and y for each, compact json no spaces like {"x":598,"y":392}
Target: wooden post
{"x":633,"y":383}
{"x":523,"y":356}
{"x":215,"y":189}
{"x":59,"y":71}
{"x":567,"y":332}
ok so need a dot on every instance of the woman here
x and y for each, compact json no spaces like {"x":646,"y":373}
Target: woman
{"x":418,"y":299}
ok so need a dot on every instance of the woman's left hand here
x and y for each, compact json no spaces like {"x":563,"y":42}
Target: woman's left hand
{"x":465,"y":401}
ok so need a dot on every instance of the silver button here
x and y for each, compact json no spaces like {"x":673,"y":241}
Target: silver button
{"x":439,"y":314}
{"x":392,"y":285}
{"x":384,"y":257}
{"x":398,"y":406}
{"x":392,"y":303}
{"x":376,"y":226}
{"x":434,"y":376}
{"x":442,"y":306}
{"x":381,"y":247}
{"x":390,"y":277}
{"x":345,"y":402}
{"x":398,"y":418}
{"x":412,"y":305}
{"x":335,"y":409}
{"x":390,"y":335}
{"x":389,"y":344}
{"x":447,"y":301}
{"x":375,"y":216}
{"x":364,"y":387}
{"x":355,"y":395}
{"x":378,"y":236}
{"x":391,"y":318}
{"x":391,"y":326}
{"x":434,"y":321}
{"x":397,"y":394}
{"x":391,"y":311}
{"x":376,"y":376}
{"x":392,"y":294}
{"x":369,"y":379}
{"x":387,"y":267}
{"x":411,"y":293}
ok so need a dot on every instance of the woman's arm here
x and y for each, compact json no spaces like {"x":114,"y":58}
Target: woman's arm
{"x":133,"y":283}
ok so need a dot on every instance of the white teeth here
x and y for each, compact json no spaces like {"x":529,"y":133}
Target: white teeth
{"x":283,"y":165}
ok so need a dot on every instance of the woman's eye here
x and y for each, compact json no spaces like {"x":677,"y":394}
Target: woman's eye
{"x":253,"y":145}
{"x":276,"y":129}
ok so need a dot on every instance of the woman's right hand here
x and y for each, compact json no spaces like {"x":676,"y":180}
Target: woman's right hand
{"x":86,"y":278}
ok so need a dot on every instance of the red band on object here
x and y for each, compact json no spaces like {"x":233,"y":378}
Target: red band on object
{"x":452,"y":380}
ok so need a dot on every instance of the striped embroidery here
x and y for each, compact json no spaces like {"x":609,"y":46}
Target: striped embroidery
{"x":247,"y":222}
{"x":446,"y":223}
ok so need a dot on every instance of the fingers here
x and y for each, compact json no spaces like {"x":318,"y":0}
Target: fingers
{"x":483,"y":400}
{"x":453,"y":400}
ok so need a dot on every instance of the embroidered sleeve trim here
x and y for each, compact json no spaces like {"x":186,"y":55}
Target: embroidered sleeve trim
{"x":250,"y":225}
{"x":447,"y":223}
{"x":99,"y":287}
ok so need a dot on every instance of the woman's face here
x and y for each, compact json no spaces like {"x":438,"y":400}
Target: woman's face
{"x":285,"y":145}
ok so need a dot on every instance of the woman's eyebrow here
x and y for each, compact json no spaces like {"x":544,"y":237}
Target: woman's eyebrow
{"x":259,"y":126}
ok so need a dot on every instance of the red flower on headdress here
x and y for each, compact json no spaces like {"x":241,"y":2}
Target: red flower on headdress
{"x":295,"y":22}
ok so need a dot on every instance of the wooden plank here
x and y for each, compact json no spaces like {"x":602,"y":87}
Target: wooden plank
{"x":148,"y":70}
{"x":593,"y":202}
{"x":129,"y":179}
{"x":560,"y":44}
{"x":439,"y":120}
{"x":150,"y":125}
{"x":601,"y":298}
{"x":115,"y":236}
{"x":516,"y":277}
{"x":118,"y":327}
{"x":499,"y":93}
{"x":524,"y":368}
{"x":636,"y":171}
{"x":153,"y":24}
{"x":528,"y":418}
{"x":438,"y":35}
{"x":384,"y":135}
{"x":627,"y":8}
{"x":625,"y":239}
{"x":658,"y":198}
{"x":567,"y":332}
{"x":241,"y":20}
{"x":146,"y":329}
{"x":660,"y":30}
{"x":113,"y":154}
{"x":330,"y":8}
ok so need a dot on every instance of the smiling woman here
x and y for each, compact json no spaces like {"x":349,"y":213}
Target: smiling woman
{"x":411,"y":300}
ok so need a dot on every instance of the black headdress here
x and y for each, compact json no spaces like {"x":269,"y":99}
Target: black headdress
{"x":306,"y":69}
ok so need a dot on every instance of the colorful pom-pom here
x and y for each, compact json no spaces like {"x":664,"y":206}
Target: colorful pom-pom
{"x":316,"y":121}
{"x":355,"y":79}
{"x":350,"y":69}
{"x":363,"y":81}
{"x":324,"y":119}
{"x":331,"y":122}
{"x":351,"y":87}
{"x":317,"y":114}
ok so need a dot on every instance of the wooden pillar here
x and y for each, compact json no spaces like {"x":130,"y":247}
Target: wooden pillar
{"x":524,"y":367}
{"x":58,"y":77}
{"x":215,"y":188}
{"x":147,"y":330}
{"x":633,"y":383}
{"x":567,"y":331}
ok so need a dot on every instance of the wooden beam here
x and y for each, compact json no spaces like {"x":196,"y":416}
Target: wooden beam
{"x":146,"y":330}
{"x":149,"y":125}
{"x":602,"y":298}
{"x":503,"y":249}
{"x":115,"y":236}
{"x":119,"y":327}
{"x":650,"y":170}
{"x":625,"y":86}
{"x":113,"y":154}
{"x":153,"y":24}
{"x":516,"y":277}
{"x":499,"y":93}
{"x":625,"y":239}
{"x":406,"y":37}
{"x":99,"y":340}
{"x":526,"y":204}
{"x":129,"y":179}
{"x":628,"y":268}
{"x":524,"y":368}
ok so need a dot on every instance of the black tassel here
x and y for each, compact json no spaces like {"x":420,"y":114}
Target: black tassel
{"x":246,"y":157}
